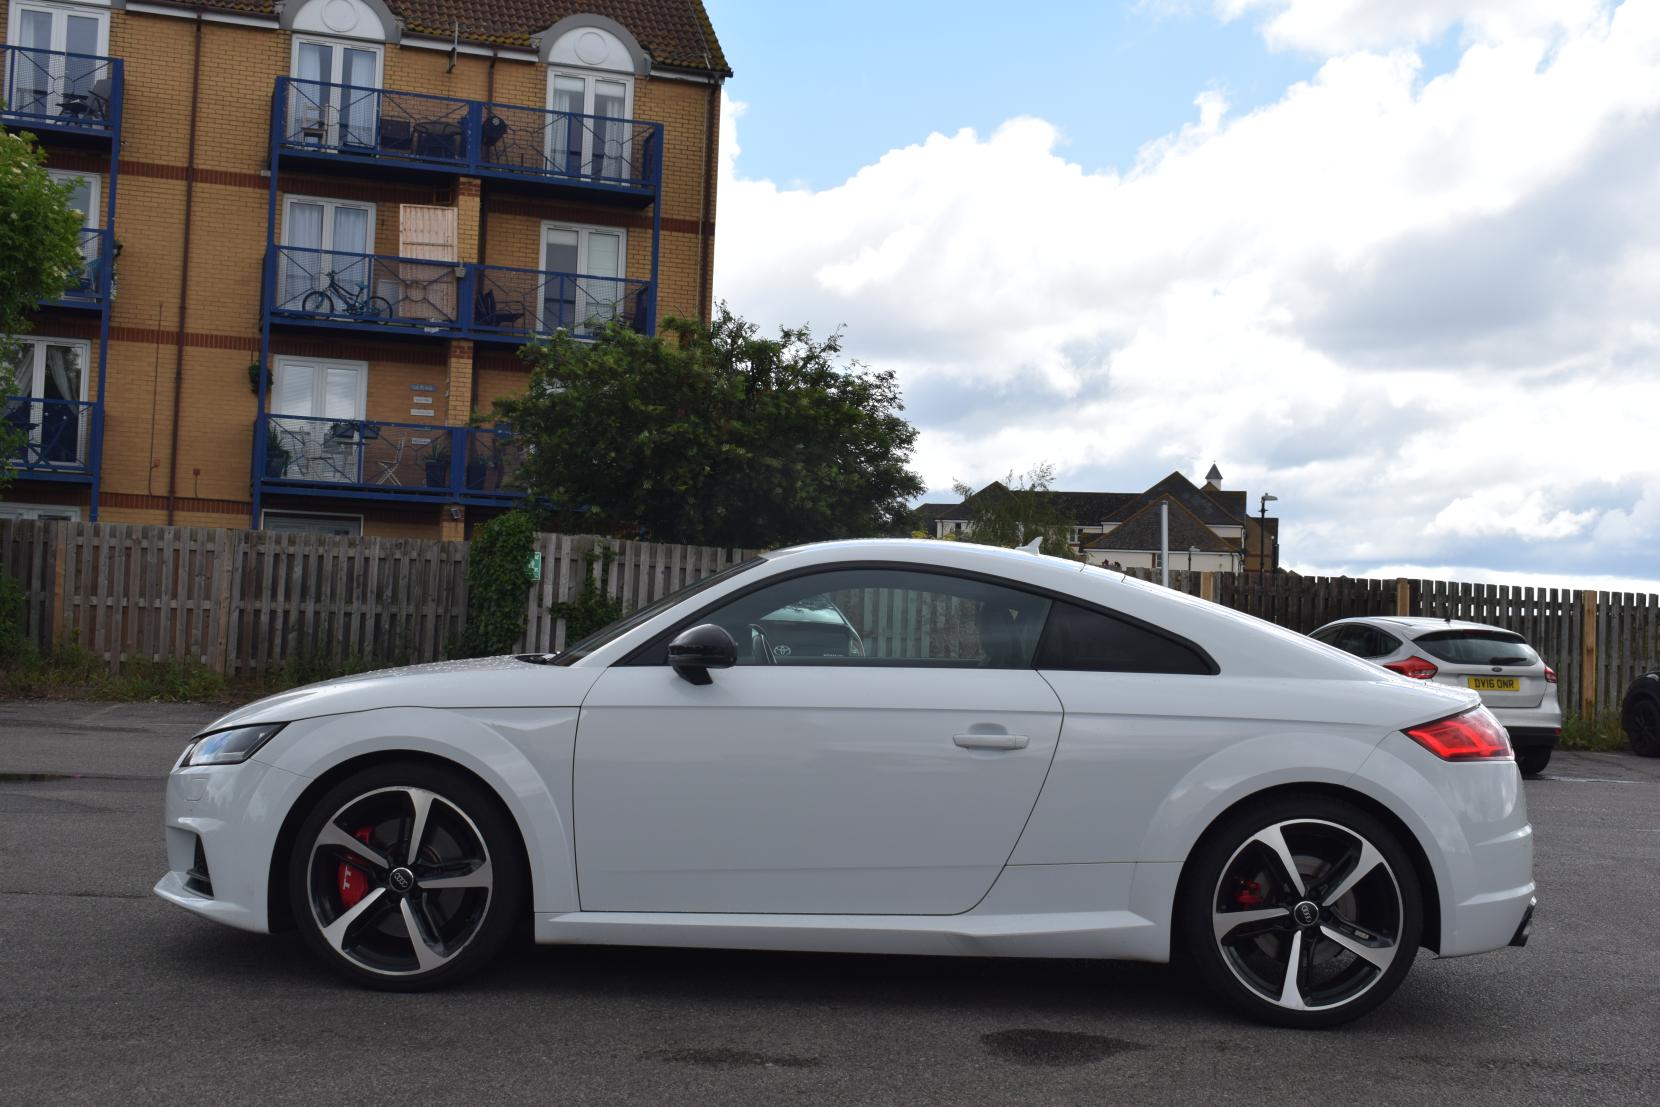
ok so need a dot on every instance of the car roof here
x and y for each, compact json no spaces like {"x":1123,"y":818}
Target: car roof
{"x":1415,"y":625}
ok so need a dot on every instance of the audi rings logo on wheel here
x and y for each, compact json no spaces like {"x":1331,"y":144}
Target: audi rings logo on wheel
{"x":401,"y":880}
{"x":1306,"y":913}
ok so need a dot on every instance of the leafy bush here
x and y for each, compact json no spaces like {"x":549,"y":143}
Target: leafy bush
{"x":15,"y":645}
{"x":1602,"y":733}
{"x":498,"y":576}
{"x":593,"y":607}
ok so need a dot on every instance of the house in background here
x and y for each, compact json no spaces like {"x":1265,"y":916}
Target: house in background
{"x":1211,"y":528}
{"x":338,"y":220}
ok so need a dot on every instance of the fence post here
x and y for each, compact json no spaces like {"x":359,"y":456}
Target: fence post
{"x":1403,"y":596}
{"x":1207,"y":586}
{"x":1588,"y":657}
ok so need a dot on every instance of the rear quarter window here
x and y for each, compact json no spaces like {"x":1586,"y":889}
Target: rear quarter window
{"x":1080,"y":639}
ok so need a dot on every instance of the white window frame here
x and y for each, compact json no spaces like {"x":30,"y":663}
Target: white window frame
{"x":329,"y":203}
{"x":59,"y":37}
{"x":35,"y":341}
{"x":12,"y":510}
{"x":95,"y":184}
{"x":320,"y":368}
{"x":330,"y":127}
{"x":266,"y":517}
{"x":582,"y":232}
{"x":588,"y":77}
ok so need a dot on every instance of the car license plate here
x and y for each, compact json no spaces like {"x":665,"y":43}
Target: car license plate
{"x":1496,"y":684}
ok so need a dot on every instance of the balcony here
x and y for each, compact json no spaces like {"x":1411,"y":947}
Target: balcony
{"x":52,"y":92}
{"x":376,"y":460}
{"x":90,"y":287}
{"x":389,"y":130}
{"x":57,"y":437}
{"x":486,"y":303}
{"x":518,"y":305}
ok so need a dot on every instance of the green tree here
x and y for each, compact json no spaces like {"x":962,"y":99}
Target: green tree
{"x":40,"y":237}
{"x":715,"y":435}
{"x":1015,"y":510}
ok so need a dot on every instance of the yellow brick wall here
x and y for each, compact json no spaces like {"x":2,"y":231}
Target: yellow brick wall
{"x":239,"y":66}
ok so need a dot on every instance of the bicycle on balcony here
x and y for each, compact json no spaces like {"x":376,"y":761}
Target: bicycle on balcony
{"x":335,"y":298}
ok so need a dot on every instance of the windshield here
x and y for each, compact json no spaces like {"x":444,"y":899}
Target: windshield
{"x":608,"y":634}
{"x":1479,"y":647}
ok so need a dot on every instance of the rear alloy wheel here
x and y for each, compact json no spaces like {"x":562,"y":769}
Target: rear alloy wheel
{"x":1532,"y":762}
{"x":403,"y":878}
{"x":1305,"y":913}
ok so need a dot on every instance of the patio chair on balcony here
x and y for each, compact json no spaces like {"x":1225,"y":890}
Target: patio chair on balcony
{"x":90,"y":106}
{"x":488,"y":313}
{"x":397,"y":134}
{"x":391,"y":463}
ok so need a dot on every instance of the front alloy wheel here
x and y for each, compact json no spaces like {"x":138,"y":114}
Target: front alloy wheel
{"x":402,"y":878}
{"x":1306,"y":915}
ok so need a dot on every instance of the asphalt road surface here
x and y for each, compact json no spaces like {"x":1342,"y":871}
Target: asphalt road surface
{"x":108,"y":994}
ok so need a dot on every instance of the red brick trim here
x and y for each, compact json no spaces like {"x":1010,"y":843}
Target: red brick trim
{"x":140,"y":502}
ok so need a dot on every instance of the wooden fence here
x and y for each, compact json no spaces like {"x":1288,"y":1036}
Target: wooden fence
{"x":246,"y":602}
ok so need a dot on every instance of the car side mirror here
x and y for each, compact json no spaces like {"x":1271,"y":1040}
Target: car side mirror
{"x":698,"y":649}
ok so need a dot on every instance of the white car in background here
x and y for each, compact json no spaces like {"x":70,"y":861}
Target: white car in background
{"x":879,"y":747}
{"x":1513,"y":681}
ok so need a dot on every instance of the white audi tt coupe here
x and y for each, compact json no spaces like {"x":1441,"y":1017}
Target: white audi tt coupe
{"x":879,"y":747}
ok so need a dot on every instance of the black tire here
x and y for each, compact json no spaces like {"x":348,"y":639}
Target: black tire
{"x":468,"y":842}
{"x":1532,"y":762}
{"x":1640,"y":715}
{"x":377,"y":307}
{"x":1380,"y":911}
{"x":317,"y":302}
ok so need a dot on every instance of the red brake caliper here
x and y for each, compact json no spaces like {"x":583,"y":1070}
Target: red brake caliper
{"x":354,"y":882}
{"x":1247,"y":893}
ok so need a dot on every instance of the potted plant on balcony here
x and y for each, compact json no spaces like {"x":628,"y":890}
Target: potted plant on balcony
{"x":438,"y":463}
{"x":276,"y":457}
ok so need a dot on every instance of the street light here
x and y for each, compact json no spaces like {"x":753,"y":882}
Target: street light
{"x":1262,"y":550}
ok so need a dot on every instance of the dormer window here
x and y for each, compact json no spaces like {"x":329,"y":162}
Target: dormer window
{"x":334,"y":99}
{"x":592,"y":63}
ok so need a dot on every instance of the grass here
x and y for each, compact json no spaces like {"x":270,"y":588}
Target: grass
{"x":1601,"y":734}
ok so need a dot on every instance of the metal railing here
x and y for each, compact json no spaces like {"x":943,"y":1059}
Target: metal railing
{"x":488,"y":302}
{"x":468,"y":136}
{"x":56,"y":435}
{"x":57,"y":90}
{"x":388,"y":459}
{"x":368,"y":288}
{"x":531,"y":302}
{"x":89,"y":286}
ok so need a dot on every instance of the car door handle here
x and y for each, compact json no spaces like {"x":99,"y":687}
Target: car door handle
{"x":991,"y":741}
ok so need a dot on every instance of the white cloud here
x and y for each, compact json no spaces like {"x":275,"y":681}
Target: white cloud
{"x":1334,"y":26}
{"x":1419,"y":312}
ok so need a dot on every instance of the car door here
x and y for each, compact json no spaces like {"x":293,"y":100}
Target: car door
{"x":891,"y":777}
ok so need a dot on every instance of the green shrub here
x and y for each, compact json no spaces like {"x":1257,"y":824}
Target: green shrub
{"x":1602,"y":733}
{"x":498,"y":578}
{"x":593,"y":607}
{"x":15,"y":645}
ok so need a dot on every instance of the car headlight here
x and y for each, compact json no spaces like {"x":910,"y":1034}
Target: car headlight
{"x":228,"y":747}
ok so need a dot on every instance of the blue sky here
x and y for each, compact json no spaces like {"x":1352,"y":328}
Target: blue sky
{"x":831,"y":88}
{"x":1391,"y":260}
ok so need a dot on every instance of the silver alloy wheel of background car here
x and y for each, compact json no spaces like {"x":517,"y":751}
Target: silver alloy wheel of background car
{"x":399,"y":881}
{"x":1307,"y":915}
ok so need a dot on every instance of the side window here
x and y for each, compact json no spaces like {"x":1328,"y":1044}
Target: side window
{"x":1328,"y":635}
{"x":1081,"y":639}
{"x":886,"y":617}
{"x":1380,"y":644}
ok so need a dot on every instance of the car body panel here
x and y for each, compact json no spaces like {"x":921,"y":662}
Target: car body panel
{"x":803,"y":789}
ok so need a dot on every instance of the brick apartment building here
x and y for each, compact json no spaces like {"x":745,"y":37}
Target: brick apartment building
{"x":379,"y":204}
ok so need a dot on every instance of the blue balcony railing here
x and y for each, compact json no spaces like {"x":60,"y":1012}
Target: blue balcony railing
{"x":56,"y":436}
{"x":485,"y":302}
{"x":363,"y":124}
{"x":369,"y":458}
{"x":373,"y":290}
{"x":529,"y":303}
{"x":90,"y":285}
{"x":50,"y":90}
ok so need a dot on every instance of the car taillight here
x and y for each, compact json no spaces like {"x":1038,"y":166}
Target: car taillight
{"x":1415,"y":667}
{"x":1472,"y":736}
{"x":1550,"y":675}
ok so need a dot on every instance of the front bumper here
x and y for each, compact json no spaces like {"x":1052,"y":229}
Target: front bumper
{"x":233,"y":814}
